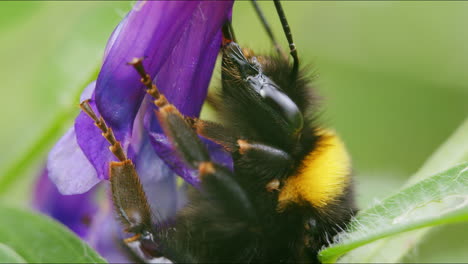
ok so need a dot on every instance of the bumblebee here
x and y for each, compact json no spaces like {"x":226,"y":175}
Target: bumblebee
{"x":290,"y":189}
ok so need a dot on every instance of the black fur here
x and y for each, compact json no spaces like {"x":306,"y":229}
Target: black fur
{"x":232,"y":217}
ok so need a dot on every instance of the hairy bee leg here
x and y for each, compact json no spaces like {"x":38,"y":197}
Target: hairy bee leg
{"x":129,"y":198}
{"x":232,"y":142}
{"x":175,"y":125}
{"x":128,"y":195}
{"x":267,"y":162}
{"x":107,"y":133}
{"x":217,"y":179}
{"x":220,"y":186}
{"x":185,"y":140}
{"x":216,"y":132}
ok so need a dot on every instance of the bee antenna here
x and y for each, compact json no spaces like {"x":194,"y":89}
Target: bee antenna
{"x":267,"y":28}
{"x":287,"y":32}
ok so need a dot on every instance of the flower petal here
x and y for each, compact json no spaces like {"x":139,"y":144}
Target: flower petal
{"x":184,"y":80}
{"x":75,"y":211}
{"x":151,"y":30}
{"x":165,"y":150}
{"x":105,"y":235}
{"x":69,"y":168}
{"x":88,"y":92}
{"x":92,"y":220}
{"x":167,"y":153}
{"x":218,"y":154}
{"x":177,"y":40}
{"x":185,"y":75}
{"x":93,"y":144}
{"x":158,"y":181}
{"x":186,"y":57}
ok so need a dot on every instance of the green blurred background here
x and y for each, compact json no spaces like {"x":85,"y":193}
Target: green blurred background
{"x":393,"y":75}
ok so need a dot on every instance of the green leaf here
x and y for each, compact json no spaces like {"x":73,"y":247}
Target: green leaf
{"x":393,"y":249}
{"x":454,"y":150}
{"x":439,"y":199}
{"x":8,"y":255}
{"x":37,"y":238}
{"x":54,"y":66}
{"x":46,"y":138}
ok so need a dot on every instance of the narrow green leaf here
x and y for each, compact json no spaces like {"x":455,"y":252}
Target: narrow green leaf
{"x":39,"y":239}
{"x":8,"y":255}
{"x":45,"y":140}
{"x":439,"y":199}
{"x":453,"y":151}
{"x":393,"y":249}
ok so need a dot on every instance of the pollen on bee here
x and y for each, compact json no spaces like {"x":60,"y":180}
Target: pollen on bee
{"x":244,"y":146}
{"x":132,"y":239}
{"x":273,"y":185}
{"x":206,"y":168}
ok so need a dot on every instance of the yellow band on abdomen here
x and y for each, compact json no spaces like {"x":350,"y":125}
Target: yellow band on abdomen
{"x":322,"y":177}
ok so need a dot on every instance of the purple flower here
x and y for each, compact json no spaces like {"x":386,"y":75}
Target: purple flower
{"x":180,"y":41}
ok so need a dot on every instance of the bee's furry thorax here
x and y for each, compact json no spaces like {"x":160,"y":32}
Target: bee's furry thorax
{"x":300,"y":190}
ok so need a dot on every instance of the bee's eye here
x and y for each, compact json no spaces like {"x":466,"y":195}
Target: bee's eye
{"x":271,"y":94}
{"x":278,"y":100}
{"x":249,"y":70}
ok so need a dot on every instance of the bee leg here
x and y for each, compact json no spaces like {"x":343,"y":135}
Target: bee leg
{"x":257,"y":151}
{"x":185,"y":140}
{"x":268,"y":163}
{"x":219,"y":186}
{"x":129,"y":198}
{"x":217,"y":179}
{"x":250,"y":152}
{"x":175,"y":125}
{"x":216,"y":132}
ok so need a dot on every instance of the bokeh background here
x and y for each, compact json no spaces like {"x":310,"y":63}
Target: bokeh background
{"x":393,"y":76}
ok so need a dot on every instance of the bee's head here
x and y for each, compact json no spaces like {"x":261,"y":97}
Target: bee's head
{"x":244,"y":70}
